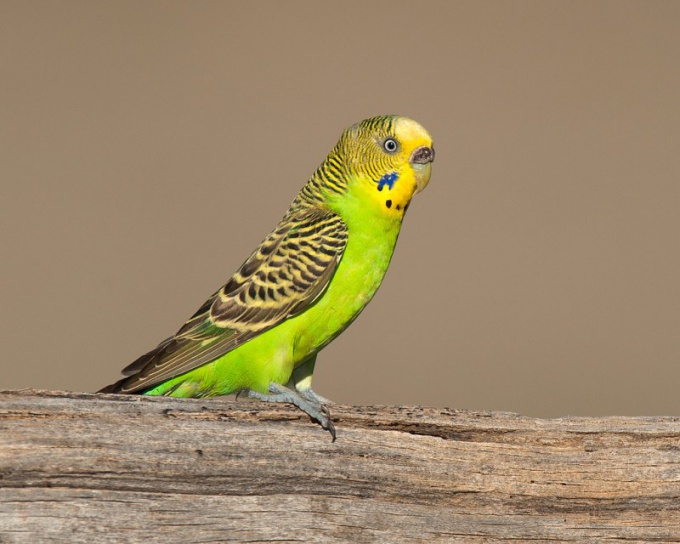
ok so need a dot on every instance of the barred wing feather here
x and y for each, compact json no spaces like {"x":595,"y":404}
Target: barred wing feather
{"x":283,"y":277}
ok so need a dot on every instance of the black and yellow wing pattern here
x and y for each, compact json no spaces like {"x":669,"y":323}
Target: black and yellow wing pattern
{"x":281,"y":278}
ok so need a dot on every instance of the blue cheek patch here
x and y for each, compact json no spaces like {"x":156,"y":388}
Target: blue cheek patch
{"x":387,"y":179}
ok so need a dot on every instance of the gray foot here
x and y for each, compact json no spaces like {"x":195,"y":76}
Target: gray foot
{"x":313,"y":396}
{"x":308,"y":404}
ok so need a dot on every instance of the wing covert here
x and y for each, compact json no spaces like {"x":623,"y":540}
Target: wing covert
{"x":281,"y":278}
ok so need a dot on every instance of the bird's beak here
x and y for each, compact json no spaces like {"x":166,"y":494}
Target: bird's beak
{"x":421,"y":161}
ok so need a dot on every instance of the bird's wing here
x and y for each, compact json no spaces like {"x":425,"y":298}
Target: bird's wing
{"x":282,"y":278}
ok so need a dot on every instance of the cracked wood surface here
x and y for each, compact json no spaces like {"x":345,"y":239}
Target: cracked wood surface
{"x":84,"y":468}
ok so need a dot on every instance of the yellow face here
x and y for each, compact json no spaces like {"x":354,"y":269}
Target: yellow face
{"x":390,"y":159}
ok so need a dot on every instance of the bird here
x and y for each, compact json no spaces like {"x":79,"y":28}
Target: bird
{"x":308,"y":280}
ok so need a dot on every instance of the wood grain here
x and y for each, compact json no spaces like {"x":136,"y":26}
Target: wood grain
{"x":84,"y":468}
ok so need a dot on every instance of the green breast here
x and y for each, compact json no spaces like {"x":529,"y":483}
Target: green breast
{"x":370,"y":245}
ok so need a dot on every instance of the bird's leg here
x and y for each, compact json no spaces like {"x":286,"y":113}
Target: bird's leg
{"x":315,"y":410}
{"x":301,"y":379}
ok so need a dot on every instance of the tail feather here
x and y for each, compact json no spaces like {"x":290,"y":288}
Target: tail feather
{"x":114,"y":387}
{"x":136,"y":366}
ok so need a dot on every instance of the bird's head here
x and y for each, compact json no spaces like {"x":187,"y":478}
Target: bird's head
{"x":386,"y":159}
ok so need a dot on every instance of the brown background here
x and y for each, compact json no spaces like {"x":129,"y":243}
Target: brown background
{"x":147,"y":147}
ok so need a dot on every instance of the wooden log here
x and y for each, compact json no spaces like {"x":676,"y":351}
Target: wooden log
{"x":85,"y":468}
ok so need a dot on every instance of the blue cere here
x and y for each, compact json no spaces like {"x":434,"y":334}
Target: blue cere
{"x":387,"y":179}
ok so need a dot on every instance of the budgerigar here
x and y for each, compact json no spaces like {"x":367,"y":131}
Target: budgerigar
{"x":307,"y":281}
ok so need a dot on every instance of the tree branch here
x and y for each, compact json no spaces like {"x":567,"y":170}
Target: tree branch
{"x":107,"y":468}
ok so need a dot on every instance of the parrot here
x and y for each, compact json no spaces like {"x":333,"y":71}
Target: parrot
{"x":308,"y":280}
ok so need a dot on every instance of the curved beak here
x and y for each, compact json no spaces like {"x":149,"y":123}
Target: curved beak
{"x":421,"y":161}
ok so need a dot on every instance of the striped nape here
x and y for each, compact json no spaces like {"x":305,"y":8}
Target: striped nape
{"x":355,"y":153}
{"x":331,"y":177}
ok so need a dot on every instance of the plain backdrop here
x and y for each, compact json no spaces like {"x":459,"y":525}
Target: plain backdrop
{"x":147,"y":147}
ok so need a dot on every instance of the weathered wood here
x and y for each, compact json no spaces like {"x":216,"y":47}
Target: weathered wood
{"x":105,"y":468}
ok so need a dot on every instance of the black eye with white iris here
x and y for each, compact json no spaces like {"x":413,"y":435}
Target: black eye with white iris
{"x":390,"y":145}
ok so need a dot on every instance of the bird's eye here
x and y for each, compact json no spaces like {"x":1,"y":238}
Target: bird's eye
{"x":390,"y":145}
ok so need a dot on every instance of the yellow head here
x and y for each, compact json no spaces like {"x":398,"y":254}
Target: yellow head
{"x":384,"y":160}
{"x":391,"y":157}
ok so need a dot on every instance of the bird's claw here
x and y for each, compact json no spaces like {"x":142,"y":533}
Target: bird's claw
{"x":315,"y":410}
{"x":329,"y":427}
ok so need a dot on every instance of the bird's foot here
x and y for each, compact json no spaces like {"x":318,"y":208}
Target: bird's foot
{"x":313,"y":396}
{"x":310,"y":395}
{"x":308,"y":404}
